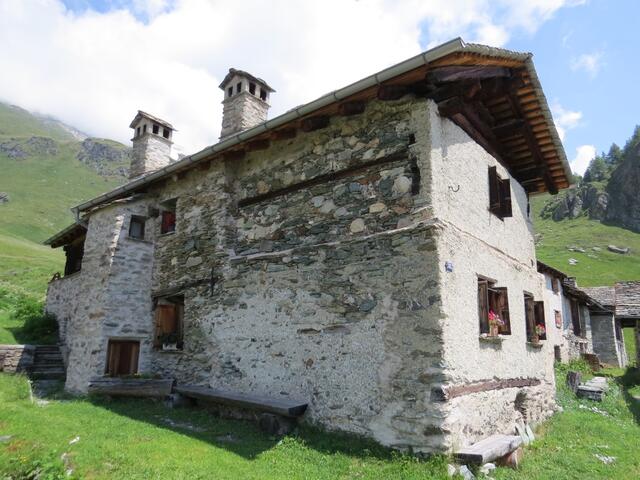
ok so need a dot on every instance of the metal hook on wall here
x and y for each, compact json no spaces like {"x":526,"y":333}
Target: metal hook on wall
{"x":455,"y":190}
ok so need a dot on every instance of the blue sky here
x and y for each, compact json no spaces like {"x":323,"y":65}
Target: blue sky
{"x":93,"y":63}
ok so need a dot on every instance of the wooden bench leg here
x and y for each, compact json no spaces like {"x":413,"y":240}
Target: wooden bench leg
{"x":275,"y":424}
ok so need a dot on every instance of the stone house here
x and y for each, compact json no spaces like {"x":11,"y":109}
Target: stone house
{"x":622,"y":303}
{"x":352,"y":252}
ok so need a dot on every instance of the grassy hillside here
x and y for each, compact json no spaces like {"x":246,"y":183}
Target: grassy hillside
{"x":16,"y":122}
{"x":594,"y":267}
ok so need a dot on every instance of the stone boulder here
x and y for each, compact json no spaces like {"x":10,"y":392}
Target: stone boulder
{"x":614,"y":249}
{"x":4,"y":197}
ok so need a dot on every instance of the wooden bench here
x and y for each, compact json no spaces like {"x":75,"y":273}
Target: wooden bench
{"x":276,"y":416}
{"x":130,"y":387}
{"x":278,"y":406}
{"x":489,"y":449}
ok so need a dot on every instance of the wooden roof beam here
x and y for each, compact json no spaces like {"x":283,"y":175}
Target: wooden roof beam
{"x":458,"y":73}
{"x":311,"y":124}
{"x":351,"y":108}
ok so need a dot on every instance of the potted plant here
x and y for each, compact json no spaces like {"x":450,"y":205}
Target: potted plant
{"x":495,"y":322}
{"x":169,"y":341}
{"x":540,"y":331}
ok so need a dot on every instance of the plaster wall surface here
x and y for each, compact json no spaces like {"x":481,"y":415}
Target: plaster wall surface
{"x":605,"y":344}
{"x":475,"y":243}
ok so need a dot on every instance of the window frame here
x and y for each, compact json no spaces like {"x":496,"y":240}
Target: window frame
{"x":499,"y":195}
{"x":168,"y":207}
{"x":168,"y":310}
{"x":492,"y":298}
{"x":137,"y":219}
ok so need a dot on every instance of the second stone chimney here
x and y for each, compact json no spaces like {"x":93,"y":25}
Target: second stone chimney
{"x":245,"y":104}
{"x":151,"y":144}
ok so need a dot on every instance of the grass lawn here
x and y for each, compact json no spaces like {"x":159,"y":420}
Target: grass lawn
{"x":142,"y":439}
{"x":630,"y":343}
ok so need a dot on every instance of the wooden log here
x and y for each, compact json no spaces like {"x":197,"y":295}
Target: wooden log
{"x":573,"y":380}
{"x":489,"y":449}
{"x":279,"y":406}
{"x":130,"y":387}
{"x":448,"y":392}
{"x":457,"y":73}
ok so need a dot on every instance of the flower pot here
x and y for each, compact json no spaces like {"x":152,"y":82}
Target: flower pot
{"x":494,"y":331}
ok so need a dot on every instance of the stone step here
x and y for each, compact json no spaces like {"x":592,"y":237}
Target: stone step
{"x":47,"y":348}
{"x":35,"y":368}
{"x":48,"y":362}
{"x":48,"y":374}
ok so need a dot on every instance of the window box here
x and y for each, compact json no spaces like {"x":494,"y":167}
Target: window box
{"x":492,"y":338}
{"x":536,"y":345}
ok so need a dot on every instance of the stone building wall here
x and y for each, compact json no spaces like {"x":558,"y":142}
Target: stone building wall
{"x":475,"y":243}
{"x":242,"y":111}
{"x":605,"y":344}
{"x":150,"y":152}
{"x":16,"y":358}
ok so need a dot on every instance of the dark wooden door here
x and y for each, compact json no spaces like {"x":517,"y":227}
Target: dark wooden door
{"x":122,"y":357}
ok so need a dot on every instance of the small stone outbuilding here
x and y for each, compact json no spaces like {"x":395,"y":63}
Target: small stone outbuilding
{"x":370,"y":252}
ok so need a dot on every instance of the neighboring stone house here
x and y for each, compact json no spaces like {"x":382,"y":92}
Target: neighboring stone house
{"x":569,"y":310}
{"x":352,"y":252}
{"x":623,"y":304}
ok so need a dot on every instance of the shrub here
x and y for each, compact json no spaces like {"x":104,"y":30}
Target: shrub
{"x":37,"y":326}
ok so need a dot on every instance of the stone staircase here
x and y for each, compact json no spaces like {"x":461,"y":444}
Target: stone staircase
{"x":47,"y":363}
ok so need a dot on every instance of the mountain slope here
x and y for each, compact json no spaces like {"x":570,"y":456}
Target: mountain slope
{"x":45,"y":171}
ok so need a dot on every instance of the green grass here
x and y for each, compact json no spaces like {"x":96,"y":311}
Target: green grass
{"x":628,"y":334}
{"x":134,"y":439}
{"x":567,"y":444}
{"x":594,"y":267}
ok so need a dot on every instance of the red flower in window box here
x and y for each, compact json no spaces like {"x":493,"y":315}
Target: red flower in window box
{"x":495,"y":322}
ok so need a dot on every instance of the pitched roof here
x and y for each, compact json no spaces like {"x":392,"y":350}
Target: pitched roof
{"x":544,"y":268}
{"x":628,"y":299}
{"x":605,"y":295}
{"x":242,"y":73}
{"x":523,"y":127}
{"x":142,"y":114}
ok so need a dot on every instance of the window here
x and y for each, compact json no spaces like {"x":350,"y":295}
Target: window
{"x":138,"y":132}
{"x":252,"y":88}
{"x":499,"y":195}
{"x":156,"y":129}
{"x":144,"y":129}
{"x":496,"y":300}
{"x":165,"y":132}
{"x":263,"y":94}
{"x":74,"y":253}
{"x":122,"y":357}
{"x":535,"y":321}
{"x":230,"y":91}
{"x":168,"y":223}
{"x":169,"y":316}
{"x":555,"y":284}
{"x":558,"y":318}
{"x":238,"y":87}
{"x":136,"y":227}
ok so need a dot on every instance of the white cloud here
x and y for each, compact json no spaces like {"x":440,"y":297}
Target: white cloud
{"x":564,"y":119}
{"x":589,"y":62}
{"x":94,"y":70}
{"x":584,"y":155}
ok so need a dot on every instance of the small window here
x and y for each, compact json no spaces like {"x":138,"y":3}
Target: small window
{"x":576,"y":320}
{"x":499,"y":195}
{"x":156,"y":129}
{"x":238,"y":87}
{"x":74,"y":254}
{"x":122,"y":358}
{"x":168,"y":217}
{"x":557,"y":353}
{"x":144,"y":129}
{"x":493,"y":307}
{"x":263,"y":94}
{"x":555,"y":285}
{"x":165,"y":132}
{"x":138,"y":132}
{"x":252,"y":88}
{"x":136,"y":227}
{"x":558,"y":318}
{"x":230,"y":91}
{"x":535,"y":321}
{"x":169,"y":318}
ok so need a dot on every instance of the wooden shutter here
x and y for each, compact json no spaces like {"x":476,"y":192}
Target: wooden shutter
{"x":555,"y":285}
{"x":505,"y":198}
{"x":502,"y":305}
{"x":122,"y":357}
{"x":166,"y":322}
{"x":575,"y":318}
{"x":494,"y":191}
{"x":483,"y":305}
{"x":168,"y":221}
{"x":530,"y":316}
{"x":540,"y":320}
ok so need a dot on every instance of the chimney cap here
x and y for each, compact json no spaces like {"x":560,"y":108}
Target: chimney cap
{"x":140,"y":115}
{"x":242,"y":73}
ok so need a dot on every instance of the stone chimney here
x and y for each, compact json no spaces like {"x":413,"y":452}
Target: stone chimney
{"x":151,"y":144}
{"x":245,"y":104}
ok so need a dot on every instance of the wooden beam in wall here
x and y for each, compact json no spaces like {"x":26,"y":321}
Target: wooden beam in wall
{"x":260,"y":144}
{"x":314,"y":123}
{"x":460,"y":73}
{"x":284,"y":134}
{"x":351,"y":108}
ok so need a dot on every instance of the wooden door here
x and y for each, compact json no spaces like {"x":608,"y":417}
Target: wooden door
{"x":122,"y":357}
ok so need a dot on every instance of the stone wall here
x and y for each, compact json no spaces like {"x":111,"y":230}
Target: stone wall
{"x":16,"y":358}
{"x":604,"y":339}
{"x":150,"y":152}
{"x":242,"y":111}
